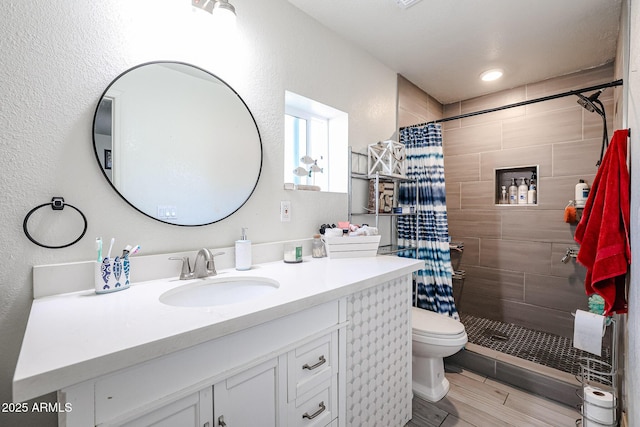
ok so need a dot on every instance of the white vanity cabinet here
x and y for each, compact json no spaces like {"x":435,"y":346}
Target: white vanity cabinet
{"x":249,"y":398}
{"x":312,"y":387}
{"x":192,"y":410}
{"x":281,"y":373}
{"x":332,"y":347}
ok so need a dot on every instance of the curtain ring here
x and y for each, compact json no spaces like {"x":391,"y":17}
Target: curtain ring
{"x":57,"y":204}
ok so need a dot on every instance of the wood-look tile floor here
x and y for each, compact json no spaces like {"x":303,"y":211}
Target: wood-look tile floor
{"x":474,"y":400}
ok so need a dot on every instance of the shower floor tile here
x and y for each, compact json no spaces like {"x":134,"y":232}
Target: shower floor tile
{"x":535,"y":346}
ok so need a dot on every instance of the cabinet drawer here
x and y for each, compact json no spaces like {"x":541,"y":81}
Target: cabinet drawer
{"x":311,"y":364}
{"x":317,"y":407}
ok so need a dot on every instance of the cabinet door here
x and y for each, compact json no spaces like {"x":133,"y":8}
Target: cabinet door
{"x":193,"y":410}
{"x":248,"y":399}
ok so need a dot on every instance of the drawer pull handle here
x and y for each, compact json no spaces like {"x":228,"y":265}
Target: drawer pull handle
{"x":321,"y":361}
{"x":221,"y":422}
{"x":315,"y":414}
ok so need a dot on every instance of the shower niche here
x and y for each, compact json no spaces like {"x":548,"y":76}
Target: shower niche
{"x":520,"y":177}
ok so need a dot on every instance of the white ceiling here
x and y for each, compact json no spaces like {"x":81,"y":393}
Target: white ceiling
{"x":443,"y":46}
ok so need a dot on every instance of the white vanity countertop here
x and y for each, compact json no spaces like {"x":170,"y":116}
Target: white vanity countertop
{"x":77,"y":336}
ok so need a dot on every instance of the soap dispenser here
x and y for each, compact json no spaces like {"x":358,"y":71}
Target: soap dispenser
{"x":522,"y":191}
{"x":513,"y":192}
{"x":243,"y":252}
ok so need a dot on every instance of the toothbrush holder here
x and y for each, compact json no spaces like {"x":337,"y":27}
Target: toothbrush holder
{"x":112,"y":274}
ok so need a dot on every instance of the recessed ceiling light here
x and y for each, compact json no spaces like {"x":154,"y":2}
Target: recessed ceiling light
{"x":491,"y":75}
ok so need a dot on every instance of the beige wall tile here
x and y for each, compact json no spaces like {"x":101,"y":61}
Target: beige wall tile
{"x":486,"y":290}
{"x":576,"y":158}
{"x":560,"y":293}
{"x":412,"y":98}
{"x":452,"y":190}
{"x":494,"y":283}
{"x":465,"y":167}
{"x":480,"y":119}
{"x":527,"y":156}
{"x":536,"y":226}
{"x":564,"y":102}
{"x":435,"y":108}
{"x":556,"y":192}
{"x":572,"y":270}
{"x":535,"y":317}
{"x":529,"y":257}
{"x":494,"y":100}
{"x":406,"y":118}
{"x":477,"y":195}
{"x":414,"y":105}
{"x":474,"y":223}
{"x":451,"y":110}
{"x":471,"y":252}
{"x":592,"y":122}
{"x":545,"y":128}
{"x":569,"y":82}
{"x":473,"y":139}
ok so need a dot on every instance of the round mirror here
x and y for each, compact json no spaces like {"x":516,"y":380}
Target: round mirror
{"x":177,"y":143}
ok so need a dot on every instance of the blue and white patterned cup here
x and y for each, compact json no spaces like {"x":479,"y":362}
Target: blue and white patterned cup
{"x":112,"y":274}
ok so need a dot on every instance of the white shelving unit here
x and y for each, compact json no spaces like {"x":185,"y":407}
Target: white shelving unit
{"x":377,"y":179}
{"x":603,"y":378}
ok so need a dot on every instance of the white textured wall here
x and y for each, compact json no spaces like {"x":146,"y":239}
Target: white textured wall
{"x":58,"y":57}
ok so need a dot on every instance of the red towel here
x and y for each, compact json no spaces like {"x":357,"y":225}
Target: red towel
{"x":603,"y":231}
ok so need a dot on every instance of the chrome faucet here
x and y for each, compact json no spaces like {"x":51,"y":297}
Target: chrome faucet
{"x":201,"y":269}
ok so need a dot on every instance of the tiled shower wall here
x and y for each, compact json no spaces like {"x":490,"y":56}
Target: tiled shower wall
{"x":512,"y":254}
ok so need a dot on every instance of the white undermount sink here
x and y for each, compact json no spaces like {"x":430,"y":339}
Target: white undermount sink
{"x":219,"y":291}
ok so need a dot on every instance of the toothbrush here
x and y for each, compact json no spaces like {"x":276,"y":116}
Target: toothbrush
{"x":126,"y":251}
{"x":99,"y":248}
{"x":113,"y":239}
{"x":135,"y":250}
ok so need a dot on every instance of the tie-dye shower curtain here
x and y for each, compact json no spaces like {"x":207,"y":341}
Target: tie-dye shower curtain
{"x":425,"y":163}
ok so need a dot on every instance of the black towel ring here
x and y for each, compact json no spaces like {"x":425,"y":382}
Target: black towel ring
{"x":57,"y":204}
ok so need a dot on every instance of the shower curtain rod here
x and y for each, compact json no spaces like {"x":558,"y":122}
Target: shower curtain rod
{"x":520,"y":104}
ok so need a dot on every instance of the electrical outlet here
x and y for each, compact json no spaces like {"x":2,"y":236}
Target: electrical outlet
{"x":285,"y":211}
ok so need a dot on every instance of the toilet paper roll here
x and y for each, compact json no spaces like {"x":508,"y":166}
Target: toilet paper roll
{"x":588,"y":330}
{"x":598,"y":408}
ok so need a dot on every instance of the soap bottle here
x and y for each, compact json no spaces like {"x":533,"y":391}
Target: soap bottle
{"x":582,"y":193}
{"x":513,"y":192}
{"x":504,"y":199}
{"x":522,"y":191}
{"x":532,"y":194}
{"x":243,"y":252}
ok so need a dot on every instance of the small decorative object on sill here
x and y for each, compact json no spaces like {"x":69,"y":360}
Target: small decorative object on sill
{"x":386,"y":158}
{"x":385,"y":196}
{"x":317,"y":247}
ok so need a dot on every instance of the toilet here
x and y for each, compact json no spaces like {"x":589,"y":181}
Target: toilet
{"x":434,"y":336}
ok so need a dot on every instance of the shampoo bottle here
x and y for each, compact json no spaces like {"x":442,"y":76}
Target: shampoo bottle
{"x":532,"y":196}
{"x":513,"y":192}
{"x":243,"y":252}
{"x":522,"y":191}
{"x":582,"y":193}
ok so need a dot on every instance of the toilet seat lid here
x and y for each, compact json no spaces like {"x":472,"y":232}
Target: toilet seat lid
{"x":427,"y":322}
